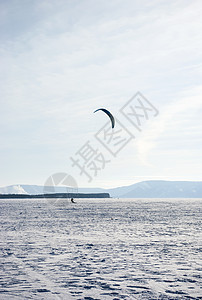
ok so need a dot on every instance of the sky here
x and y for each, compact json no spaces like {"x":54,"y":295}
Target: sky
{"x":61,"y":60}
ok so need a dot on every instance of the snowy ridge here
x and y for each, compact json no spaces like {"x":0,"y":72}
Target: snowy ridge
{"x":13,"y":189}
{"x":144,"y":189}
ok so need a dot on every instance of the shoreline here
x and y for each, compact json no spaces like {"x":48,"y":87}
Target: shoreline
{"x":55,"y":195}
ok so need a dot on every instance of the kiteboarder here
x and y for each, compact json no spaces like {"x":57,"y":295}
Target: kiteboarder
{"x":72,"y":200}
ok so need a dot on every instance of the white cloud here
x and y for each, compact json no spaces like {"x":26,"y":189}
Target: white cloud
{"x":178,"y":122}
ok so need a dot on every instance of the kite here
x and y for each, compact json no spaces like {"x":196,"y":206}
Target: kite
{"x":109,"y":115}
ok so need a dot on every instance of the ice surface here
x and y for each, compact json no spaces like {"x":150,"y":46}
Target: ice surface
{"x":101,"y":249}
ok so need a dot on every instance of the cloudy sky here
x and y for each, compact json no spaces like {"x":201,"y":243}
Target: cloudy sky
{"x":61,"y":60}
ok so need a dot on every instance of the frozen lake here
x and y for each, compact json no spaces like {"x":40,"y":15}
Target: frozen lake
{"x":101,"y":249}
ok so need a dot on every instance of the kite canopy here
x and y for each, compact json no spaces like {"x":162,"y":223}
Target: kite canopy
{"x":109,"y":115}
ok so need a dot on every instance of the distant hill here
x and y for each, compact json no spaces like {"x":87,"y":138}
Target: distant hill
{"x":40,"y":189}
{"x":164,"y":189}
{"x":144,"y":189}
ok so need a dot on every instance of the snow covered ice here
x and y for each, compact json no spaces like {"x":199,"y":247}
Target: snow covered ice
{"x":101,"y":249}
